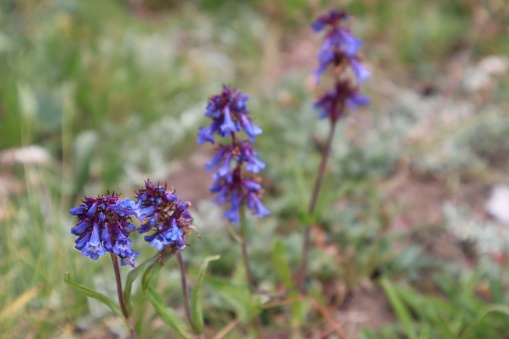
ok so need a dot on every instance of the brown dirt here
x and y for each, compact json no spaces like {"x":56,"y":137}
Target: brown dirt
{"x":365,"y":308}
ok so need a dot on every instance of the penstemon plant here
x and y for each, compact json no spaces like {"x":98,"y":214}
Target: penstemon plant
{"x":105,"y":224}
{"x":236,"y":181}
{"x":339,"y":54}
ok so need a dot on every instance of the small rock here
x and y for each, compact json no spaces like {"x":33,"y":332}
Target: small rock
{"x":494,"y":65}
{"x":497,"y":205}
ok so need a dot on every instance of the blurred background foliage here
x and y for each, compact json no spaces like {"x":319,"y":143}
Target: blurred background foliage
{"x":100,"y":95}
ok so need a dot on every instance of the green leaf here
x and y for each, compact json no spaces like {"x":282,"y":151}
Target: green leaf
{"x":149,"y":274}
{"x":131,"y":277}
{"x":196,"y":308}
{"x":167,"y":315}
{"x":235,"y":294}
{"x":282,"y":268}
{"x":431,"y":310}
{"x":399,"y":308}
{"x":93,"y":294}
{"x":154,"y":267}
{"x":281,"y":265}
{"x":495,"y":309}
{"x":302,"y":194}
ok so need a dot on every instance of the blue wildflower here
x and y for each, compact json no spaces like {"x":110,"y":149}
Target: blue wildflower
{"x":229,"y":115}
{"x":333,"y":18}
{"x":234,"y":161}
{"x":104,"y":225}
{"x":340,"y":47}
{"x":234,"y":190}
{"x":333,"y":103}
{"x":165,"y":214}
{"x":360,"y":71}
{"x":241,"y":152}
{"x":254,"y":204}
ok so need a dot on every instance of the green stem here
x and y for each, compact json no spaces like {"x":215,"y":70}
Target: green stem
{"x":120,"y":294}
{"x":247,"y":266}
{"x":185,"y":291}
{"x":302,"y":270}
{"x":245,"y":256}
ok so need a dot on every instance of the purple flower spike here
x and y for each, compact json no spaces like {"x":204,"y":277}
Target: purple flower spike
{"x":104,"y":225}
{"x":248,"y":155}
{"x":340,"y":47}
{"x":236,"y":191}
{"x":333,"y":103}
{"x":166,"y":215}
{"x":357,"y":99}
{"x":333,"y":18}
{"x":229,"y":115}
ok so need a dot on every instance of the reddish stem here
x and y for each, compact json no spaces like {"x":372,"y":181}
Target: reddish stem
{"x":301,"y":272}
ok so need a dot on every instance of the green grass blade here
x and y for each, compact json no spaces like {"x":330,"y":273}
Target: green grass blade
{"x":93,"y":294}
{"x":167,"y":315}
{"x":196,"y":309}
{"x":399,"y":308}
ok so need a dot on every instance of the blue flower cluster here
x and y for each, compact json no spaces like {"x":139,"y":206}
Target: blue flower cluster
{"x":104,"y":222}
{"x":164,"y":213}
{"x":229,"y":115}
{"x":235,"y":181}
{"x":104,"y":225}
{"x":340,"y":50}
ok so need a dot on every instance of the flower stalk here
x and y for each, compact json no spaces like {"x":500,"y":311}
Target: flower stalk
{"x":340,"y":52}
{"x":185,"y":290}
{"x":120,"y":293}
{"x":243,"y":245}
{"x":301,"y":272}
{"x":236,"y":181}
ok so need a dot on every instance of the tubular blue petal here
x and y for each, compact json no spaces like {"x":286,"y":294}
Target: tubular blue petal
{"x":206,"y":134}
{"x":251,"y":185}
{"x":78,"y":210}
{"x":159,"y":241}
{"x":94,"y":249}
{"x":233,"y":215}
{"x":106,"y":239}
{"x":351,"y":44}
{"x":81,"y":228}
{"x":81,"y":242}
{"x":216,"y":159}
{"x":228,"y":125}
{"x":254,"y":203}
{"x":361,"y":72}
{"x":92,"y":209}
{"x":225,"y":167}
{"x":357,"y":99}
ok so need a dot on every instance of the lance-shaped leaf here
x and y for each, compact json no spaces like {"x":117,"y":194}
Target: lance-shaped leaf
{"x":93,"y":294}
{"x":236,"y":295}
{"x":196,"y":294}
{"x":155,"y":266}
{"x":167,"y":315}
{"x":284,"y":272}
{"x":131,"y":277}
